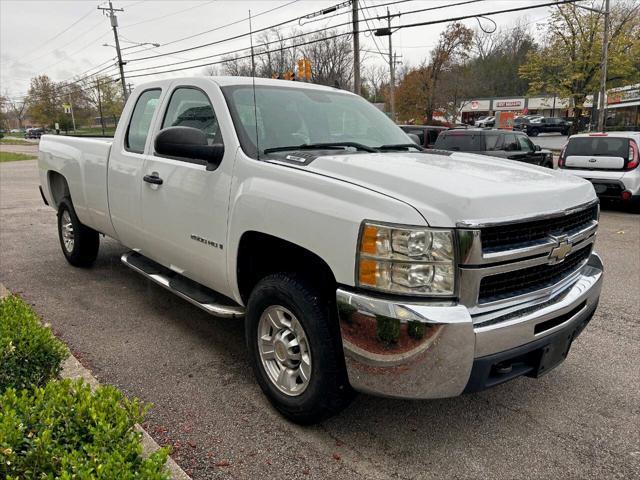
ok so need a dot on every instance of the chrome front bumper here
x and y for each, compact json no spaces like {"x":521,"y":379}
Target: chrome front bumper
{"x":427,"y":350}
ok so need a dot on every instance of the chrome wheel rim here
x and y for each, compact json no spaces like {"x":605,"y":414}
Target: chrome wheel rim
{"x":67,"y":231}
{"x":284,"y":350}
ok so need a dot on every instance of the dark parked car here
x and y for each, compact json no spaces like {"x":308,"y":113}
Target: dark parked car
{"x":496,"y":143}
{"x":546,"y":125}
{"x":427,"y":134}
{"x":34,"y":133}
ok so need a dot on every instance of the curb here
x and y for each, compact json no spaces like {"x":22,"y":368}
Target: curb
{"x":73,"y":369}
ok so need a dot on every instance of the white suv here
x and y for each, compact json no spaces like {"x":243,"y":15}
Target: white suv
{"x":608,"y":160}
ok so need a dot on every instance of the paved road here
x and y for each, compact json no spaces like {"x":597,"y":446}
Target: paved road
{"x":551,"y":141}
{"x":26,"y":149}
{"x":580,"y":421}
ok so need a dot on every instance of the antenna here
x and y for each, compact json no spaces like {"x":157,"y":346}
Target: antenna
{"x":253,"y":83}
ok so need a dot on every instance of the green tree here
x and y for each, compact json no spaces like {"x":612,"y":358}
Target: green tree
{"x":497,"y":59}
{"x":453,"y":47}
{"x":568,"y":62}
{"x":43,"y":103}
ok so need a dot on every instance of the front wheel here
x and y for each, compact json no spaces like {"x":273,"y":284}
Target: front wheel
{"x":533,"y":132}
{"x":295,"y":350}
{"x":79,"y":243}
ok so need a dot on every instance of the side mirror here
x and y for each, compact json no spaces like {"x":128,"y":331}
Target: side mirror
{"x":537,"y":148}
{"x":414,"y":138}
{"x":188,"y":143}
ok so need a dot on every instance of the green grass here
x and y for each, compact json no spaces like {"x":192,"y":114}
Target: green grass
{"x":13,"y":141}
{"x":12,"y":157}
{"x":110,"y":131}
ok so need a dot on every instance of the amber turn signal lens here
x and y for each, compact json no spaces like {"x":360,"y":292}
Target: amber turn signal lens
{"x":368,"y":242}
{"x":367,"y":272}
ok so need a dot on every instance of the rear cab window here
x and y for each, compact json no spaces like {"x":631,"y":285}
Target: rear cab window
{"x":140,"y":122}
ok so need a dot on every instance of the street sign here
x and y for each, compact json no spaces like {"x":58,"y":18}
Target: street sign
{"x":67,"y":107}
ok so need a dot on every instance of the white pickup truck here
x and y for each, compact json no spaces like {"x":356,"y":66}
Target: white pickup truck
{"x":359,"y":261}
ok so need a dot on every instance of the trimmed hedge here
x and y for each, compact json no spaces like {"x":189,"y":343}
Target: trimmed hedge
{"x":66,"y":431}
{"x":29,"y":353}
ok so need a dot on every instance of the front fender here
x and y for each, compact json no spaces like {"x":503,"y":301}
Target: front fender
{"x":313,"y":211}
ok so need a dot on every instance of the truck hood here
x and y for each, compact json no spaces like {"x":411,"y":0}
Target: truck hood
{"x":452,"y":188}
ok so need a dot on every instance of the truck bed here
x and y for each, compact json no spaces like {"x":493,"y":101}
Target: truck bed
{"x":83,"y":162}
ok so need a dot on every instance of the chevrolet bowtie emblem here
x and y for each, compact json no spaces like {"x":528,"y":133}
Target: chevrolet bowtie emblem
{"x":560,"y":251}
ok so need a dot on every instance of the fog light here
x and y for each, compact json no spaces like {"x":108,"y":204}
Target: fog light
{"x":626,"y":195}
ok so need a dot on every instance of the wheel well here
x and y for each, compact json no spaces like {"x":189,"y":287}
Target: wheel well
{"x":58,"y":187}
{"x":277,"y":255}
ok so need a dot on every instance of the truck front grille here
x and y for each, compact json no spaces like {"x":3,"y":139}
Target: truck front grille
{"x":513,"y":235}
{"x":520,"y":282}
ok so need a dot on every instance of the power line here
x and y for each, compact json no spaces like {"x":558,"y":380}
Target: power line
{"x":178,"y":12}
{"x":218,"y":41}
{"x":278,"y":40}
{"x":58,"y":35}
{"x":412,"y":25}
{"x":236,"y":22}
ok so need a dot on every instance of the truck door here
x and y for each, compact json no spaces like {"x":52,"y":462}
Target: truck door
{"x":185,"y":217}
{"x":125,"y":170}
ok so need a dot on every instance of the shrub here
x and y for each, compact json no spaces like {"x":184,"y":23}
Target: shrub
{"x":29,"y":353}
{"x":66,"y":431}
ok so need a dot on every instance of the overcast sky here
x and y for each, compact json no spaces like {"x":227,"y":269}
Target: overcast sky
{"x":65,"y":38}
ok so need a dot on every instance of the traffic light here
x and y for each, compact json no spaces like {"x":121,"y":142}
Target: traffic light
{"x":307,"y":69}
{"x":304,"y":69}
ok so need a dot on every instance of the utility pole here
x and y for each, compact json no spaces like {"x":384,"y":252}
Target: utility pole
{"x":392,"y":73}
{"x":114,"y":25}
{"x":603,"y":70}
{"x":357,"y":87}
{"x":100,"y":105}
{"x":73,"y":118}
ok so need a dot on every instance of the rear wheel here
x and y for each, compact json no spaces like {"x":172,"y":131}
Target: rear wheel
{"x":294,"y":348}
{"x":79,"y":243}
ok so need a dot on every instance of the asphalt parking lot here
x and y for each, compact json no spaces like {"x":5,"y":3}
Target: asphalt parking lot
{"x":580,"y":421}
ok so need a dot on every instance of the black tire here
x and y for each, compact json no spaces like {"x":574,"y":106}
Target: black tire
{"x":533,"y":132}
{"x":328,"y":390}
{"x":86,"y":241}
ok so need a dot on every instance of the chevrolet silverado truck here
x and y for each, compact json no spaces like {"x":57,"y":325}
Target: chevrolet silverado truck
{"x":359,"y":261}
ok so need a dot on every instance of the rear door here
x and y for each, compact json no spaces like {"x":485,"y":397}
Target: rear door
{"x":597,"y":152}
{"x":185,"y":218}
{"x":125,"y":170}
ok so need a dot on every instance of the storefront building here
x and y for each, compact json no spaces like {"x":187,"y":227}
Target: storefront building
{"x":623,"y":107}
{"x":548,"y":106}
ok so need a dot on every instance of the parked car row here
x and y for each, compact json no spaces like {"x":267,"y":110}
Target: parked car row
{"x":513,"y":145}
{"x":34,"y":132}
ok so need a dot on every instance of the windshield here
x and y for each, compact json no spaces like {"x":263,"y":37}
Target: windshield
{"x":295,"y":116}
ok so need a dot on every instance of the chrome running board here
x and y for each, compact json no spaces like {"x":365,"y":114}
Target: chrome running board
{"x":199,"y":295}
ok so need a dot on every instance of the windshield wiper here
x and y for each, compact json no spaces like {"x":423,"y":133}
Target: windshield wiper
{"x":400,"y":146}
{"x":321,"y":146}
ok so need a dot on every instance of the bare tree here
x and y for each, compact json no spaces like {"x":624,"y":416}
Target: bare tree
{"x":331,"y":58}
{"x":16,"y":109}
{"x":375,"y":79}
{"x":210,"y":71}
{"x":236,"y":66}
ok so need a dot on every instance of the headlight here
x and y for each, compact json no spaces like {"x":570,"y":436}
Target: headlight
{"x":406,"y":260}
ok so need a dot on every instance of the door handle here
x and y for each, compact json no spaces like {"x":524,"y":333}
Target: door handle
{"x":153,"y":179}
